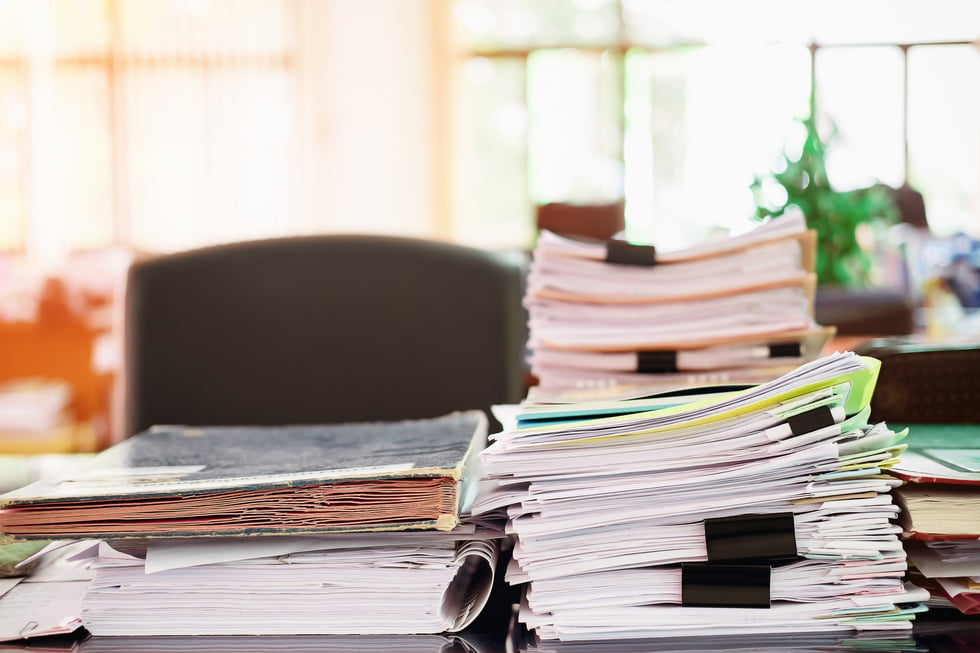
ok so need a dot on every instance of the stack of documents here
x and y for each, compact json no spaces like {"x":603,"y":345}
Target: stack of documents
{"x":940,"y":504}
{"x":756,"y":511}
{"x":349,"y":528}
{"x":738,"y":310}
{"x":410,"y":582}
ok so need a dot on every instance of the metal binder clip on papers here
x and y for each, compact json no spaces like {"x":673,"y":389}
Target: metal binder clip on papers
{"x":622,"y":252}
{"x":605,"y":509}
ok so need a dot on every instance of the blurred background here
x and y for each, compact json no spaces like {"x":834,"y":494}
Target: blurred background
{"x":135,"y":127}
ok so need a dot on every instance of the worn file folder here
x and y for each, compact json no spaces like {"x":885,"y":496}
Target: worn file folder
{"x":192,"y":481}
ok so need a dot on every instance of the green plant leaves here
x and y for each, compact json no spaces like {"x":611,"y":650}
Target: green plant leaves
{"x":835,"y":215}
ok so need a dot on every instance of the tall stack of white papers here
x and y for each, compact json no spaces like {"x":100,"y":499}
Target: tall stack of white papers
{"x":738,"y":310}
{"x":758,"y":511}
{"x":404,"y":583}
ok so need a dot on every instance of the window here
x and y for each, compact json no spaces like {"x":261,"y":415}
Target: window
{"x":155,"y":123}
{"x":166,"y":124}
{"x":675,"y":106}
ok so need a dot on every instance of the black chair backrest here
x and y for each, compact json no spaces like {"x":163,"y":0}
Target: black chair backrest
{"x":321,"y":329}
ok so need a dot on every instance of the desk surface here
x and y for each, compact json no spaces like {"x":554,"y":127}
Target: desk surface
{"x":940,"y":631}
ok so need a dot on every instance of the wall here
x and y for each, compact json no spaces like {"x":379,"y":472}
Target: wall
{"x":374,"y":87}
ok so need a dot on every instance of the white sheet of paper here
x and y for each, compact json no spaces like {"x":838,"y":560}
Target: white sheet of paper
{"x":310,"y":592}
{"x":7,"y":584}
{"x":164,"y":554}
{"x":954,"y":587}
{"x":932,"y":566}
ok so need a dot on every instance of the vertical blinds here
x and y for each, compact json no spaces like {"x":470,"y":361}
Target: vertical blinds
{"x":162,"y":124}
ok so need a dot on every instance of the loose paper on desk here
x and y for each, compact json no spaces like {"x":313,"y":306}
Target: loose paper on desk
{"x":48,"y":602}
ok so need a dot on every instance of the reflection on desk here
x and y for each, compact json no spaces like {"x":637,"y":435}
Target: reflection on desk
{"x":940,"y":636}
{"x":298,"y":644}
{"x":940,"y":631}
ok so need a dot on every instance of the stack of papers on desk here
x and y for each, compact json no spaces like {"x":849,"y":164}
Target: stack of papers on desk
{"x":757,"y":511}
{"x":940,"y":514}
{"x":738,"y":310}
{"x":410,"y":582}
{"x":348,"y":528}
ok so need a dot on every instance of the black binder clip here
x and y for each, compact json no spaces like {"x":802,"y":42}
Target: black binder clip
{"x":725,"y":586}
{"x":812,"y":420}
{"x":750,"y":537}
{"x":656,"y":362}
{"x":785,"y":350}
{"x":624,"y":253}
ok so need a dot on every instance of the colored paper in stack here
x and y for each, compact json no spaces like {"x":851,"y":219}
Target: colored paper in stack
{"x":321,"y":529}
{"x":763,"y":510}
{"x":738,"y":310}
{"x":940,"y":504}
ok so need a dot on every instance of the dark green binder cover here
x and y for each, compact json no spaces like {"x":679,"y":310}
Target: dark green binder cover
{"x":183,"y":480}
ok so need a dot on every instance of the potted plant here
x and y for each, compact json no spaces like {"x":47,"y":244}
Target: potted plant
{"x":837,"y":216}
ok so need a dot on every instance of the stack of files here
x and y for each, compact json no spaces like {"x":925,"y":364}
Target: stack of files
{"x":738,"y":310}
{"x":757,"y":511}
{"x":940,"y":504}
{"x":330,"y":529}
{"x":409,"y":582}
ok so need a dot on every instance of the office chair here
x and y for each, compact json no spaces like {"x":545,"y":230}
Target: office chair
{"x":321,"y":329}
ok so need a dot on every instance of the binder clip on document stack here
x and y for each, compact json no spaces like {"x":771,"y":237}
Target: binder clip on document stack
{"x":336,"y":529}
{"x":763,"y":510}
{"x":737,"y":310}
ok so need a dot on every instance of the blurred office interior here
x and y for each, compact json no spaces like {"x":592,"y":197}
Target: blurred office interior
{"x":130,"y":128}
